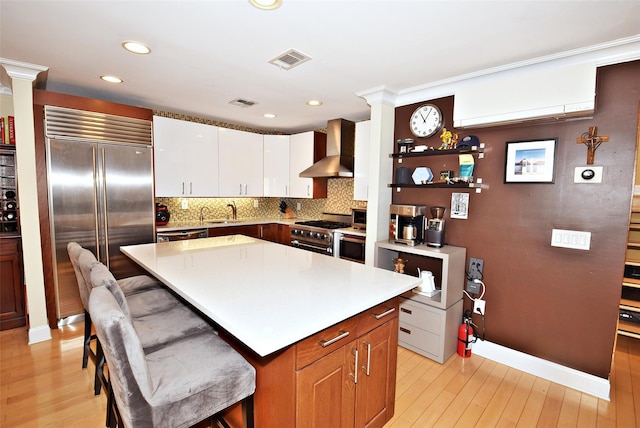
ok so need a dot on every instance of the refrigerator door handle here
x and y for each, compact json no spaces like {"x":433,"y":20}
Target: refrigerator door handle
{"x":96,"y":211}
{"x":105,"y":210}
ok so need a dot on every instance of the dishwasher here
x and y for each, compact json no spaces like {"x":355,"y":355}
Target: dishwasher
{"x":181,"y":235}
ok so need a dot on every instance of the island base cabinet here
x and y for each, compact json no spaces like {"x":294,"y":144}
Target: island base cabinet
{"x":313,"y":383}
{"x":359,"y":379}
{"x":326,"y":391}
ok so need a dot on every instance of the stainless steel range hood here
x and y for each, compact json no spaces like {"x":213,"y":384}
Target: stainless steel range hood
{"x":341,"y":136}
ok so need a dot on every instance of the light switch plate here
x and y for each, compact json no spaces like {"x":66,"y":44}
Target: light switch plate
{"x":185,"y":204}
{"x":575,"y":239}
{"x":579,"y":178}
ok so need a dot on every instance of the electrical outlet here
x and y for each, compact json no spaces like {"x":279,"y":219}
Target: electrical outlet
{"x":255,"y":203}
{"x":476,"y":268}
{"x":185,"y":204}
{"x":298,"y":206}
{"x":478,"y":306}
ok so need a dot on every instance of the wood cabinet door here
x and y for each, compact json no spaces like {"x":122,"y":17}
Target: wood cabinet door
{"x":11,"y":285}
{"x":284,"y":234}
{"x":326,"y":391}
{"x":252,"y":230}
{"x":375,"y":394}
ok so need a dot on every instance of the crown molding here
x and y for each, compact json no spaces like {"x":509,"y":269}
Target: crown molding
{"x":613,"y":52}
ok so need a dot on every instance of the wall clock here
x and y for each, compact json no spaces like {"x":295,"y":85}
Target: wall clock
{"x":426,"y":121}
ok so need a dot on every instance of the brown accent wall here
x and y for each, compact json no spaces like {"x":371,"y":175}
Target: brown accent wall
{"x":554,"y":303}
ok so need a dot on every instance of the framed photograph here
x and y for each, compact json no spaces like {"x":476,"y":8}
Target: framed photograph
{"x":531,"y":161}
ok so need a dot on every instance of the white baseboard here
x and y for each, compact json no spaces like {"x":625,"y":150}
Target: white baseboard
{"x":39,"y":334}
{"x":584,"y":382}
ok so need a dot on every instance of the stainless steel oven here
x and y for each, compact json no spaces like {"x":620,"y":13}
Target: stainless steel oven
{"x":349,"y":247}
{"x":317,"y":235}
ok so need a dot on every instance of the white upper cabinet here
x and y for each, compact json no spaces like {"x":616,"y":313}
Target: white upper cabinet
{"x":361,"y":161}
{"x":276,"y":165}
{"x":186,"y":158}
{"x":240,"y":163}
{"x":301,"y":158}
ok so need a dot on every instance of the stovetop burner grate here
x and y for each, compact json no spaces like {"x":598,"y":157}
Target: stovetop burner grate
{"x":324,"y":224}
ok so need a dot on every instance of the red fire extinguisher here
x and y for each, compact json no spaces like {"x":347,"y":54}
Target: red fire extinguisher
{"x":465,"y":338}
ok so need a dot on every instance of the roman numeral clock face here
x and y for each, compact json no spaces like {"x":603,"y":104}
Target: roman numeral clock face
{"x":426,"y":121}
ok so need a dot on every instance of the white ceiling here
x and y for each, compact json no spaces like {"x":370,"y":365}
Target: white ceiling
{"x":207,"y":53}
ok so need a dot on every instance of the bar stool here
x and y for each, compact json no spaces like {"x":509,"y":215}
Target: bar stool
{"x":178,"y":385}
{"x":132,"y":285}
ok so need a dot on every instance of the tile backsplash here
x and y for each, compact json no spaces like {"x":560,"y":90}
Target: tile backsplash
{"x":339,"y":200}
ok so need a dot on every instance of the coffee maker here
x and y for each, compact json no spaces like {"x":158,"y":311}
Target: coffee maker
{"x":435,"y":227}
{"x":406,"y":225}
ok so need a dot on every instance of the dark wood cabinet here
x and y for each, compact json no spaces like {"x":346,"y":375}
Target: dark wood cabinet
{"x":252,"y":230}
{"x":12,"y":311}
{"x":273,"y":232}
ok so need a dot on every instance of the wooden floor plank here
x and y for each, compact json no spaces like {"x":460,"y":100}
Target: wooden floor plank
{"x":452,"y":413}
{"x":588,"y":411}
{"x":552,"y":406}
{"x":493,"y":410}
{"x":625,"y":413}
{"x":570,"y":408}
{"x":474,"y":411}
{"x":516,"y":404}
{"x":43,"y":385}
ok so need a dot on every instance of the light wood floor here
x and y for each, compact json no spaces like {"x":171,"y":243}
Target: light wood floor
{"x":43,"y":385}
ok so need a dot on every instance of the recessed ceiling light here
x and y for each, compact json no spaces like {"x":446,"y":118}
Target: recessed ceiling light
{"x":136,"y":47}
{"x":269,"y":115}
{"x":314,"y":103}
{"x":111,"y":79}
{"x":266,"y":4}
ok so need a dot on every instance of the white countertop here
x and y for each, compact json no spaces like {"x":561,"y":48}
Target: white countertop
{"x":267,"y":295}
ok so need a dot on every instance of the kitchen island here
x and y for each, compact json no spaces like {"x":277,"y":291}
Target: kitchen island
{"x":303,"y":320}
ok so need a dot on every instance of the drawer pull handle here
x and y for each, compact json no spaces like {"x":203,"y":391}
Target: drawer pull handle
{"x":405,"y":330}
{"x":326,"y":343}
{"x":384,"y":314}
{"x":406,"y":311}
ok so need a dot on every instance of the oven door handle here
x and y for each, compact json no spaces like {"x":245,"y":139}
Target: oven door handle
{"x":359,"y":240}
{"x":319,"y":248}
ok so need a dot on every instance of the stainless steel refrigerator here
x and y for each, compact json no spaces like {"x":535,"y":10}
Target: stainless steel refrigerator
{"x":100,"y":177}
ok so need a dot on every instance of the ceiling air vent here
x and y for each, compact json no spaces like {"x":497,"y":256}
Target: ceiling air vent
{"x":289,"y":59}
{"x":242,"y":102}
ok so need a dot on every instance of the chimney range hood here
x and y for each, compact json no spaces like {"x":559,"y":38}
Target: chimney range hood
{"x":341,"y":135}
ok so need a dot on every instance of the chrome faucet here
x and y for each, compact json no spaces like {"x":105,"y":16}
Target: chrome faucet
{"x":202,"y":213}
{"x":234,"y":210}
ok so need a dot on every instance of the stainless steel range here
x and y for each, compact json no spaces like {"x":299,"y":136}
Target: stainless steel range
{"x":317,"y":235}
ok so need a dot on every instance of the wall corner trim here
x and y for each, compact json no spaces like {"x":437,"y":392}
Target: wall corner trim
{"x":581,"y":381}
{"x":39,"y":334}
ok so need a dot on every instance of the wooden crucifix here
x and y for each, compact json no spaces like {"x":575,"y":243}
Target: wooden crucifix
{"x":592,"y":141}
